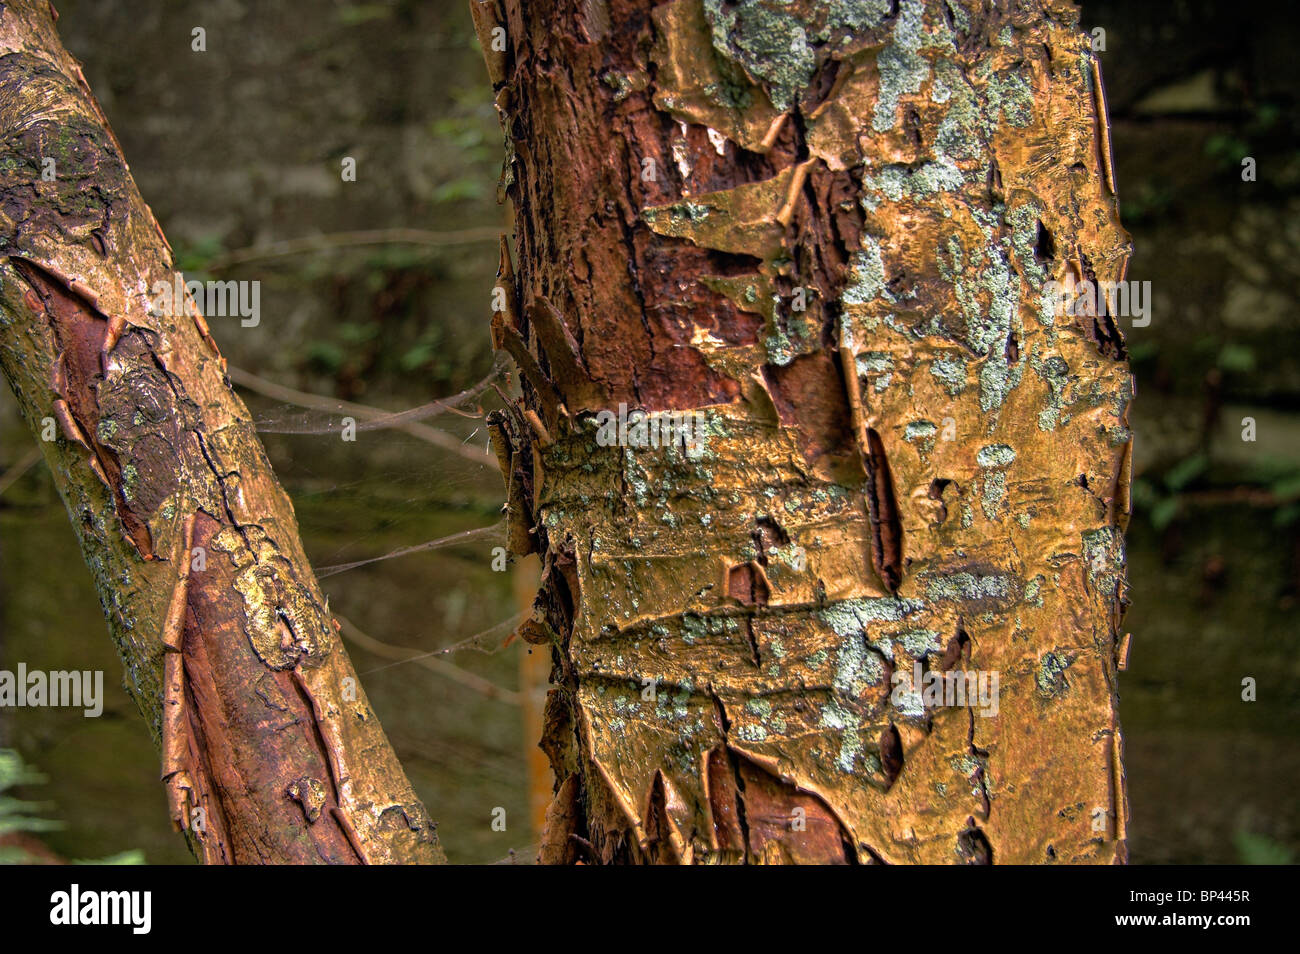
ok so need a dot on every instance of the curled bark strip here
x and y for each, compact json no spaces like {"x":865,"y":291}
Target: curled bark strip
{"x":569,"y":375}
{"x":787,"y":825}
{"x":1119,"y":507}
{"x":547,"y":395}
{"x":112,"y":335}
{"x":761,"y":817}
{"x":506,"y":318}
{"x":512,"y":453}
{"x":543,"y":435}
{"x":796,"y":186}
{"x":186,"y":779}
{"x":558,"y":845}
{"x":349,"y":832}
{"x":808,"y":394}
{"x":84,"y":337}
{"x":1104,"y":146}
{"x":174,"y":626}
{"x":725,"y":810}
{"x":487,"y":18}
{"x":175,"y":739}
{"x":665,"y":811}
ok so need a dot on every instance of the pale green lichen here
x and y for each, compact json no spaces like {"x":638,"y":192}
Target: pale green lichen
{"x":950,"y":369}
{"x":874,"y":362}
{"x":1056,"y":375}
{"x":993,"y":494}
{"x":920,"y":431}
{"x":896,"y":182}
{"x":919,"y":642}
{"x":902,"y":70}
{"x":868,"y":275}
{"x":1050,"y":676}
{"x":776,"y":45}
{"x":856,"y":667}
{"x":1011,"y":95}
{"x":969,"y":587}
{"x":850,"y":617}
{"x":995,"y":455}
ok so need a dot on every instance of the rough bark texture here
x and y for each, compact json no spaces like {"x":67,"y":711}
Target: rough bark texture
{"x":925,"y":464}
{"x":235,"y":664}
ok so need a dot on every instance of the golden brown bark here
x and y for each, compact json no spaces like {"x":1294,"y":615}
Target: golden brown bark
{"x":827,"y":227}
{"x":271,"y":752}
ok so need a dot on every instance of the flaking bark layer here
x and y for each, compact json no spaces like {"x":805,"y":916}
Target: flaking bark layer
{"x":828,"y":227}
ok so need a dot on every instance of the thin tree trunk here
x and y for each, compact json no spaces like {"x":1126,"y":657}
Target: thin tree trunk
{"x":828,"y":228}
{"x":271,"y":752}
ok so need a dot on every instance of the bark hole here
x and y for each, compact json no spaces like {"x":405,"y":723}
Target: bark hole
{"x":973,"y":845}
{"x":1044,"y":246}
{"x":955,"y":649}
{"x":891,"y":755}
{"x":886,"y":524}
{"x":747,"y":583}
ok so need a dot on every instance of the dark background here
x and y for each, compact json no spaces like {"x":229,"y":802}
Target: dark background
{"x":241,"y":145}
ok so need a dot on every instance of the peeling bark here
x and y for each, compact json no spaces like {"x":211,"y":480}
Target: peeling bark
{"x":827,"y":227}
{"x":271,"y":752}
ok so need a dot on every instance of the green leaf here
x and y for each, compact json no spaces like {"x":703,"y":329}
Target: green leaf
{"x":363,"y":13}
{"x":133,"y":857}
{"x":459,"y":189}
{"x":1255,"y":849}
{"x":1143,"y":351}
{"x":325,"y":355}
{"x":194,"y":256}
{"x":1286,"y":486}
{"x":1235,"y":357}
{"x":17,"y":815}
{"x":1185,"y":471}
{"x":350,"y":332}
{"x":14,"y":771}
{"x":1163,"y":513}
{"x":417,"y":356}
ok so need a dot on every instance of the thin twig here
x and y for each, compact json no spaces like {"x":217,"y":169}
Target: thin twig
{"x":431,"y":662}
{"x":25,"y":463}
{"x":344,"y":240}
{"x":1227,"y":496}
{"x":509,"y":625}
{"x":462,"y":537}
{"x":374,"y":416}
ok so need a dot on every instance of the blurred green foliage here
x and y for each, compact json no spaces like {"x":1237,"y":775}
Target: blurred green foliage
{"x":18,"y":816}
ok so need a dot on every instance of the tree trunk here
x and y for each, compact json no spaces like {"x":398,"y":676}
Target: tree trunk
{"x":828,"y":228}
{"x":271,"y":751}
